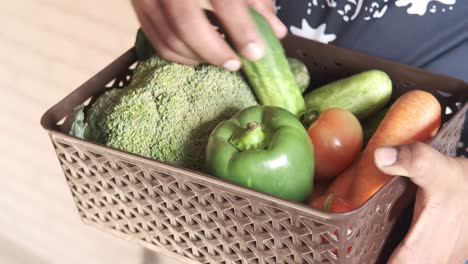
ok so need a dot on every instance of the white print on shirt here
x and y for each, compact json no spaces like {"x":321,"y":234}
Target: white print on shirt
{"x":351,"y":10}
{"x":331,"y":3}
{"x":375,"y":10}
{"x":419,"y":7}
{"x":277,"y":7}
{"x":317,"y":34}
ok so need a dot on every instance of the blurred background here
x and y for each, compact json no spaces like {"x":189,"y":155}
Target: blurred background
{"x":47,"y":49}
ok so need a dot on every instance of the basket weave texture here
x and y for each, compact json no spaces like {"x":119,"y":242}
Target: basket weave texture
{"x":201,"y":219}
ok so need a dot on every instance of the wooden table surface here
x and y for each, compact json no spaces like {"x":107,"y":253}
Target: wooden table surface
{"x":47,"y":49}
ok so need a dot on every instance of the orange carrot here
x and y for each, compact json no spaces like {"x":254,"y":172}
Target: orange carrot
{"x":320,"y":187}
{"x":414,"y":117}
{"x":338,"y":187}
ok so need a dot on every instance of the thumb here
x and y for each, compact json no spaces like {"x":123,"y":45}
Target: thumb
{"x":438,"y":230}
{"x":424,"y":165}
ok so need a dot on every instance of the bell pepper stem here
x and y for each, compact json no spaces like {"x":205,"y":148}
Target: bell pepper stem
{"x":252,"y":125}
{"x":249,"y":139}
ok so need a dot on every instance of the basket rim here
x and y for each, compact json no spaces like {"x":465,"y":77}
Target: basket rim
{"x":49,"y":118}
{"x":365,"y":55}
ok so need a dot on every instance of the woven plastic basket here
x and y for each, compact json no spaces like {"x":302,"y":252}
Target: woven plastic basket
{"x":202,"y":219}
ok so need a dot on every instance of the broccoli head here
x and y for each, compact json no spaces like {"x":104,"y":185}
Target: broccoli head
{"x":167,"y":111}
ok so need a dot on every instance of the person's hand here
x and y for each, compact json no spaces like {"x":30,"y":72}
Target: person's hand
{"x":439,"y":230}
{"x":180,"y":32}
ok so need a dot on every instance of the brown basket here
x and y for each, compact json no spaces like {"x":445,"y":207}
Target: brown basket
{"x":203,"y":219}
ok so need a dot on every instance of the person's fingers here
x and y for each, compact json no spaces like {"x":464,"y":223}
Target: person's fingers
{"x":159,"y":21}
{"x":162,"y":50}
{"x":235,"y":17}
{"x":192,"y":27}
{"x":439,"y":234}
{"x":155,"y":38}
{"x":426,"y":167}
{"x":267,"y":9}
{"x":439,"y":217}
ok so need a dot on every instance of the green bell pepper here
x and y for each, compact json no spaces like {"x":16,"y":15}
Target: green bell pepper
{"x":264,"y":148}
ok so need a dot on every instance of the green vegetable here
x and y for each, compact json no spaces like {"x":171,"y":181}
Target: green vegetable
{"x":300,"y":72}
{"x":264,"y":148}
{"x":167,"y":111}
{"x":370,"y":124}
{"x":362,"y":94}
{"x":143,"y":47}
{"x":271,"y":77}
{"x":79,"y":125}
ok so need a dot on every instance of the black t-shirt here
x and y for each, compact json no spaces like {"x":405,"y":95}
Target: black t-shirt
{"x":429,"y":34}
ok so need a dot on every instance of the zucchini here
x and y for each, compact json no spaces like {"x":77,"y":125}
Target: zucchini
{"x":271,"y":77}
{"x":300,"y":72}
{"x":362,"y":94}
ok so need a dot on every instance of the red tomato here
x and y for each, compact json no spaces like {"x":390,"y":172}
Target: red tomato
{"x":337,"y":139}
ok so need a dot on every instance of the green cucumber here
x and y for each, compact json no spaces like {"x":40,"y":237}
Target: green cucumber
{"x":271,"y":77}
{"x":300,"y":72}
{"x":362,"y":94}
